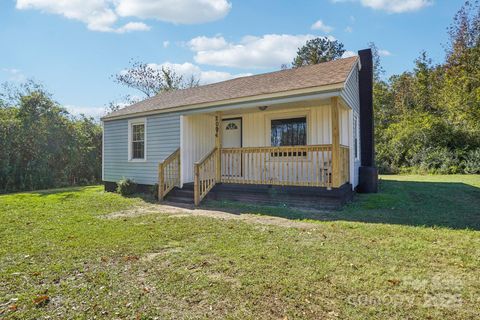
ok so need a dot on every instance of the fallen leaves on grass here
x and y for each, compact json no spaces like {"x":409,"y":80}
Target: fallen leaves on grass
{"x":394,"y":282}
{"x":41,"y":301}
{"x":131,"y":258}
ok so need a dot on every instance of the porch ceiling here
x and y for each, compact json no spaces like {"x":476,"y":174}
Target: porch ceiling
{"x":279,"y":106}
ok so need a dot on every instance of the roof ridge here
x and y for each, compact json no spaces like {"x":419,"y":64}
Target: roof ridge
{"x":321,"y":74}
{"x":311,"y":66}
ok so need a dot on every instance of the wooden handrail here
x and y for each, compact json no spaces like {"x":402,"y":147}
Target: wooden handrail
{"x":205,"y":175}
{"x":309,"y":165}
{"x":344,"y":164}
{"x":169,"y":174}
{"x":286,"y":148}
{"x":171,"y":156}
{"x":205,"y":157}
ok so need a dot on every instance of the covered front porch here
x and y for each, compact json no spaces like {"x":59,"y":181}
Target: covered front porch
{"x":300,"y":144}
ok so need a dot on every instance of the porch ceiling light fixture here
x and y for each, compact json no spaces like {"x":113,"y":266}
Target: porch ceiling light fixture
{"x":262,"y":108}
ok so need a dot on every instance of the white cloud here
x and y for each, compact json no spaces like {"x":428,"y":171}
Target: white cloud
{"x":133,"y":26}
{"x":14,"y":75}
{"x":397,"y":6}
{"x":166,"y":44}
{"x":188,"y":69}
{"x":348,"y":54}
{"x":267,"y":51}
{"x":204,"y":43}
{"x":393,"y":6}
{"x":176,"y":11}
{"x":349,"y":29}
{"x":384,"y":53}
{"x":320,"y":25}
{"x":97,"y":14}
{"x":95,"y":112}
{"x":102,"y":15}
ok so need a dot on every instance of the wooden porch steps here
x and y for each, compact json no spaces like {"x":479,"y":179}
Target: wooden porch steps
{"x":182,"y":196}
{"x":299,"y":197}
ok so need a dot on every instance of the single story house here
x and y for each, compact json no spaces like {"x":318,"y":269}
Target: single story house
{"x":292,"y":135}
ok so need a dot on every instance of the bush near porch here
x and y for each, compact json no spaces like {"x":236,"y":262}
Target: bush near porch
{"x":411,"y":251}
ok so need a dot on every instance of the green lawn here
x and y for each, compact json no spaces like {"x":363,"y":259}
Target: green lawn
{"x":412,"y":251}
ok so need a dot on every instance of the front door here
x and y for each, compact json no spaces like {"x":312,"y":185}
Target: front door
{"x":232,"y":138}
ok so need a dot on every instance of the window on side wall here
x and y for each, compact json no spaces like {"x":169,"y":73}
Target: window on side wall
{"x":137,"y":137}
{"x":355,"y":136}
{"x":289,"y":132}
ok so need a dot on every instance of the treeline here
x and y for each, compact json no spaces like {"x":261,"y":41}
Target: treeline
{"x":428,"y":120}
{"x":42,"y":145}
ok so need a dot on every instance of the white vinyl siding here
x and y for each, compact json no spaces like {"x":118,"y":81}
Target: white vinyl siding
{"x":351,"y":93}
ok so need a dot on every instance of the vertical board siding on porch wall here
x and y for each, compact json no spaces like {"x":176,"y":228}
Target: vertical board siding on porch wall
{"x":255,"y":131}
{"x":198,"y":140}
{"x":163,"y":138}
{"x":199,"y":131}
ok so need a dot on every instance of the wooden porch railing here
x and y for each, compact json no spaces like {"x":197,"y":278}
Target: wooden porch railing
{"x":344,"y":164}
{"x":168,"y":174}
{"x":205,"y":175}
{"x":309,"y":165}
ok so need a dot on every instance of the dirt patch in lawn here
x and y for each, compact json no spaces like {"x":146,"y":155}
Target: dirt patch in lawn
{"x":152,"y":255}
{"x":180,"y":212}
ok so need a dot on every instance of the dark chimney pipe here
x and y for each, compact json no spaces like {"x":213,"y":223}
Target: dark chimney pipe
{"x":368,"y":174}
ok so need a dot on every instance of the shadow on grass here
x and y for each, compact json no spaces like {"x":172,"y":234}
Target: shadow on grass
{"x":452,"y":205}
{"x":431,"y":204}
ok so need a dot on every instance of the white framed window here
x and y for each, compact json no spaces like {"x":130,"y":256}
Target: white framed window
{"x":356,"y":133}
{"x":288,"y":132}
{"x":137,"y":140}
{"x":287,"y":128}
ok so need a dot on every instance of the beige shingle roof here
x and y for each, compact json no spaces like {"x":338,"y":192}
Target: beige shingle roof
{"x":328,"y":73}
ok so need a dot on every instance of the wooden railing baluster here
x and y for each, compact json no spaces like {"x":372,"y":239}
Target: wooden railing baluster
{"x":205,"y":175}
{"x":309,"y":165}
{"x":168,"y":174}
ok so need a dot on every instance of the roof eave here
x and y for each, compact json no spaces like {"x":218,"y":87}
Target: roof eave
{"x":284,"y":94}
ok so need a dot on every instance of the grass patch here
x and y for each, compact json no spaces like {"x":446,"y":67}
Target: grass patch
{"x":428,"y":201}
{"x":411,"y":251}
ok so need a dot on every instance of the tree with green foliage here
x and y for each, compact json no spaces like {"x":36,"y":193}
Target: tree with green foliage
{"x":318,"y":50}
{"x":428,"y":120}
{"x":43,"y":146}
{"x":461,"y":91}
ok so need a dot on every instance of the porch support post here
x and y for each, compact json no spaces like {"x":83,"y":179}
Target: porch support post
{"x":161,"y":182}
{"x":335,"y":107}
{"x":218,"y":145}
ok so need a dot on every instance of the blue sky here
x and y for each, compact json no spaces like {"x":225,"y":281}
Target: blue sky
{"x":74,"y":46}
